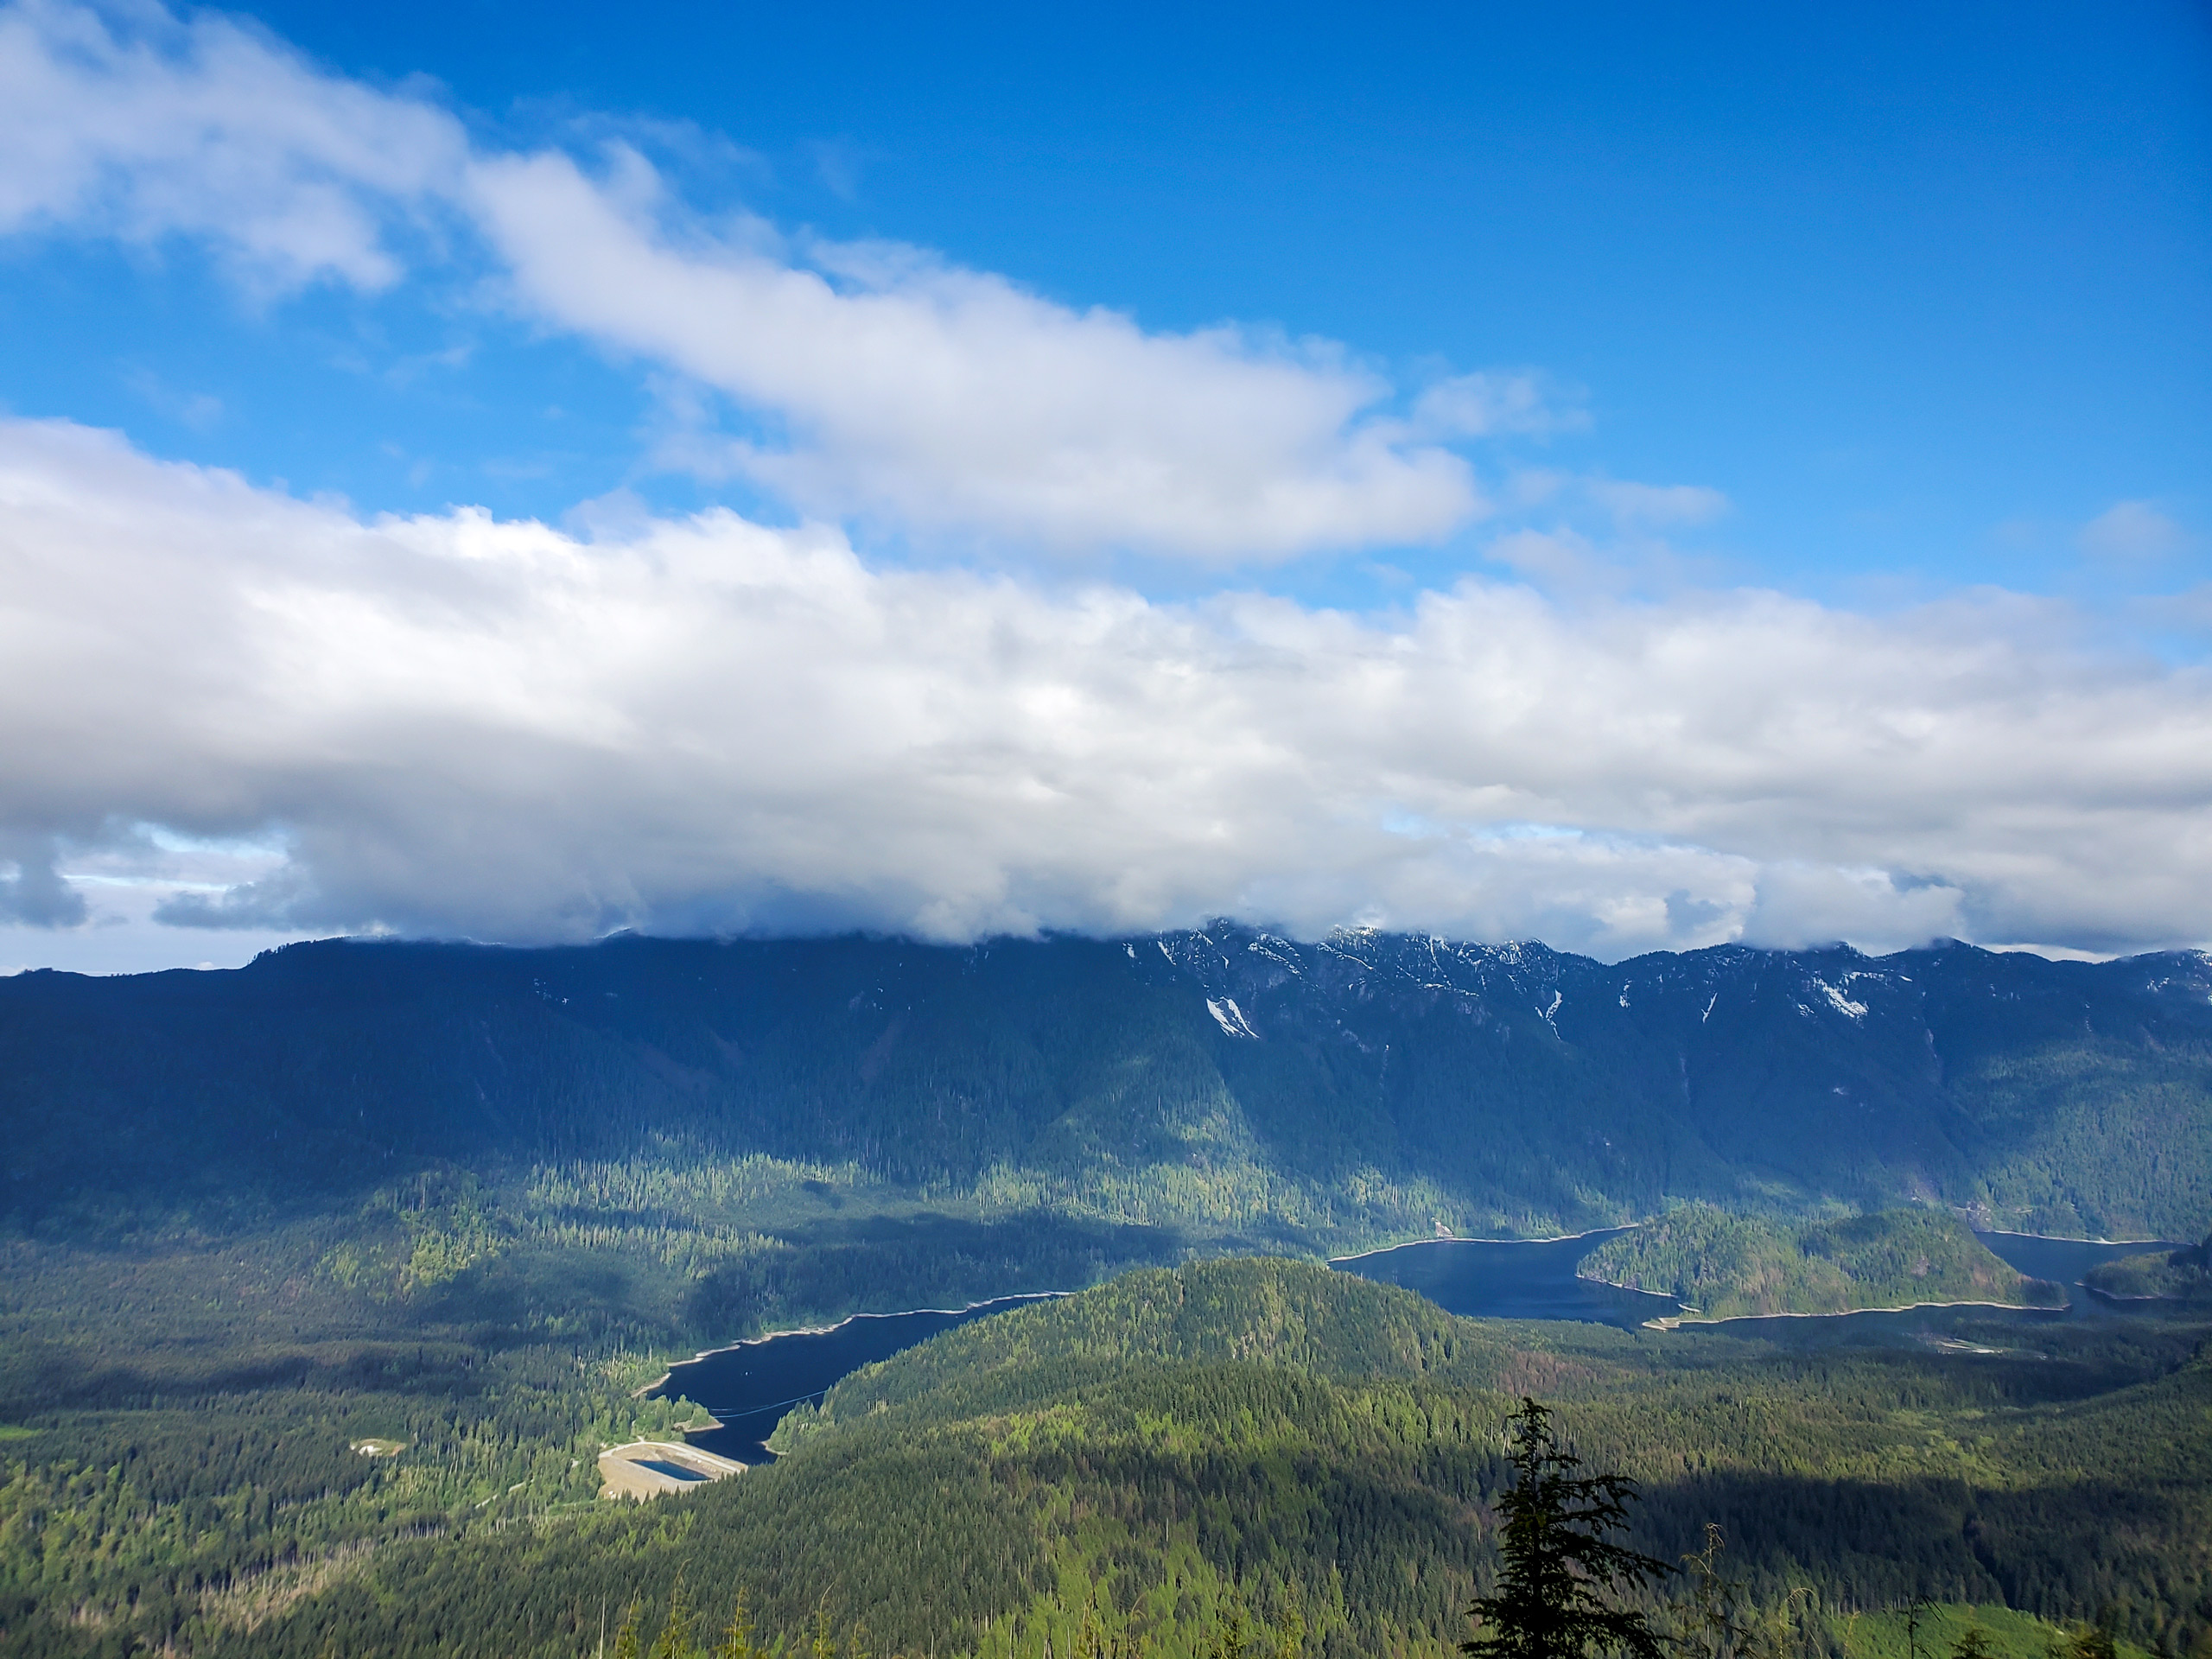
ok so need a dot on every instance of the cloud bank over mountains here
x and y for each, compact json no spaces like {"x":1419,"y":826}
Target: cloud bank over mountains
{"x":457,"y":726}
{"x":283,"y":716}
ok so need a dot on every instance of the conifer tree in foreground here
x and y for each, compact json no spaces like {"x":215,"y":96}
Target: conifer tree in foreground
{"x":1561,"y":1579}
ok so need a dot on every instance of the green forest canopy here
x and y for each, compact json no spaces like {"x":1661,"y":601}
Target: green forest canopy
{"x":1268,"y":1435}
{"x":1731,"y":1267}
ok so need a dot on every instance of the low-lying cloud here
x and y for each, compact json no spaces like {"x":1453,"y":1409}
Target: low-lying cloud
{"x":276,"y":715}
{"x":453,"y":725}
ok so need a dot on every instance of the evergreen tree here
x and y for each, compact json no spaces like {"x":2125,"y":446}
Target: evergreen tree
{"x":626,"y":1639}
{"x":1712,"y":1619}
{"x":737,"y":1638}
{"x":1229,"y":1631}
{"x":675,"y":1639}
{"x":1560,"y":1577}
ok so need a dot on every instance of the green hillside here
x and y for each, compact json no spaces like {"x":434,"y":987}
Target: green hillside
{"x":1288,"y":1315}
{"x":1299,"y":1450}
{"x":466,"y":1202}
{"x":2176,"y":1276}
{"x":1730,"y":1267}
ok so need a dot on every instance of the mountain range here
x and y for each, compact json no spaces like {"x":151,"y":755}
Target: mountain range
{"x":1228,"y":1082}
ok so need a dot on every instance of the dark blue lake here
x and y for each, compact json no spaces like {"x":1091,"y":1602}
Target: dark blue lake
{"x":2063,"y":1261}
{"x":1483,"y":1279}
{"x":1516,"y":1279}
{"x":748,"y":1386}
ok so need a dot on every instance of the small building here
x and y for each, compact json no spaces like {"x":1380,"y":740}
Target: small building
{"x":646,"y":1469}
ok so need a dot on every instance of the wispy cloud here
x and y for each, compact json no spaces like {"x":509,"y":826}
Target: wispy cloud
{"x":450,"y":724}
{"x":1658,"y":507}
{"x":198,"y":411}
{"x":944,"y":400}
{"x":1524,"y":404}
{"x":937,"y":401}
{"x":136,"y":125}
{"x":2132,"y":530}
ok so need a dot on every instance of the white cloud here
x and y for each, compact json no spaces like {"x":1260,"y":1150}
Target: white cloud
{"x":1561,"y":559}
{"x":944,"y":400}
{"x":136,"y":125}
{"x":2131,"y":530}
{"x":940,"y":401}
{"x":242,"y":712}
{"x":453,"y":725}
{"x":1657,"y":505}
{"x":1484,"y":405}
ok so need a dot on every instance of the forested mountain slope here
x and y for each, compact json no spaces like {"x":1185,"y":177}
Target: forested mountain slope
{"x":1324,"y":1451}
{"x":1320,"y":1094}
{"x":1725,"y":1267}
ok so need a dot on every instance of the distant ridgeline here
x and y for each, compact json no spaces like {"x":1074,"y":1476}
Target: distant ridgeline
{"x":1225,"y":1084}
{"x":1730,"y":1267}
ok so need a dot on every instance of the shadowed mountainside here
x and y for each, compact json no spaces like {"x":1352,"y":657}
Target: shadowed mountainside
{"x":1367,"y":1086}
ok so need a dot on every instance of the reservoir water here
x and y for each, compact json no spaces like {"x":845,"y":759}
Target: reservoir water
{"x":2063,"y":1261}
{"x":750,"y":1385}
{"x":1509,"y":1279}
{"x":1485,"y":1279}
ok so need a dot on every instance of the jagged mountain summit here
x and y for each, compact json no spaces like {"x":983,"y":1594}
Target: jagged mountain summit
{"x":1314,"y":1094}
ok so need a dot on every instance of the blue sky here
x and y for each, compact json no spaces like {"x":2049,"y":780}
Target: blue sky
{"x":1877,"y":343}
{"x":1921,"y":294}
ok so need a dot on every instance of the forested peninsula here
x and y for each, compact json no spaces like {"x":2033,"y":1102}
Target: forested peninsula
{"x":2183,"y":1276}
{"x":1722,"y":1267}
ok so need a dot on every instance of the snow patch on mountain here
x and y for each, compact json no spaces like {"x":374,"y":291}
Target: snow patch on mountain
{"x":1842,"y":1004}
{"x":1230,"y":1018}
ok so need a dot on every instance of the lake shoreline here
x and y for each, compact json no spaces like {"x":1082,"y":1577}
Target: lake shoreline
{"x":1555,"y":1238}
{"x":1677,"y":1321}
{"x":1629,"y":1226}
{"x":766,"y":1337}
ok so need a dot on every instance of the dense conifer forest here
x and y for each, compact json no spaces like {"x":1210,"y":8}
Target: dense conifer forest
{"x":2182,"y":1276}
{"x":1731,"y":1267}
{"x":322,"y":1284}
{"x":1260,"y":1437}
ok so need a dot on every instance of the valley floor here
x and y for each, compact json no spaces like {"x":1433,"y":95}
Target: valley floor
{"x":1254,"y":1440}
